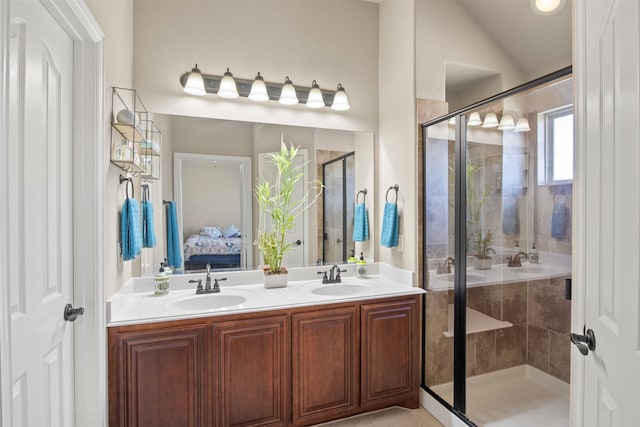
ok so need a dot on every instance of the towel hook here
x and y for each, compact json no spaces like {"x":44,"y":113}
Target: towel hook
{"x":128,"y":181}
{"x":393,"y":187}
{"x":364,"y":195}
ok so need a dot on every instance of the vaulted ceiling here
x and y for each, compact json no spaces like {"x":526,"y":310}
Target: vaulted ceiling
{"x":537,"y":44}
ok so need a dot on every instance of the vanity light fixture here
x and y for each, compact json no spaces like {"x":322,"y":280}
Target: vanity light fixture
{"x":474,"y":119}
{"x":195,"y":83}
{"x":340,"y":100}
{"x":522,"y":125}
{"x":258,"y":89}
{"x":315,"y":99}
{"x":506,"y":122}
{"x":288,"y":94}
{"x":490,"y":121}
{"x":228,"y":87}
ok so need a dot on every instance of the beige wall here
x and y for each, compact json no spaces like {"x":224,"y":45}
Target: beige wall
{"x":397,"y":141}
{"x":215,"y":201}
{"x":332,"y":42}
{"x":446,"y":34}
{"x":116,"y":20}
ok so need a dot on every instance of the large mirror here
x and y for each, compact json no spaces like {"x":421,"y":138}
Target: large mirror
{"x":215,"y":165}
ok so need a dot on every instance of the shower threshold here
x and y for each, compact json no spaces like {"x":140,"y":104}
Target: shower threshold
{"x":521,"y":396}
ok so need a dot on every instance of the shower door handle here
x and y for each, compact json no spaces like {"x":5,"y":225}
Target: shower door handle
{"x":584,"y":342}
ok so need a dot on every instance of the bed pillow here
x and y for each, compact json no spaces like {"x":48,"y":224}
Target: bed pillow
{"x":230,"y":231}
{"x":213,"y":232}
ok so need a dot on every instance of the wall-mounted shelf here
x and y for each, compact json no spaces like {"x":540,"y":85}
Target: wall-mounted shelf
{"x":476,"y":322}
{"x":150,"y":150}
{"x":133,"y":142}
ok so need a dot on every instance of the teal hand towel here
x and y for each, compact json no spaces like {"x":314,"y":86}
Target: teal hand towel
{"x":389,"y":234}
{"x":130,"y":235}
{"x":558,"y":219}
{"x":148,"y":227}
{"x":510,"y":218}
{"x":174,"y":253}
{"x":360,"y":223}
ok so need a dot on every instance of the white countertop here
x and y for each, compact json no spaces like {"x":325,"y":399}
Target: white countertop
{"x":135,"y":302}
{"x":501,"y":273}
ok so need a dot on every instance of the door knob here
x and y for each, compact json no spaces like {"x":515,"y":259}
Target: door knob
{"x":297,"y":242}
{"x":71,"y":314}
{"x":584,"y":342}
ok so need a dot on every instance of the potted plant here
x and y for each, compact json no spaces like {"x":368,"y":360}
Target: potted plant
{"x":279,"y":211}
{"x":477,"y":232}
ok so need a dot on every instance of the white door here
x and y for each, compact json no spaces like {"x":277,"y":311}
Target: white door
{"x":297,"y":237}
{"x":607,"y":385}
{"x":40,"y":217}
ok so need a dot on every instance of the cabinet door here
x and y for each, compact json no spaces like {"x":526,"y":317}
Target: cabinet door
{"x":325,"y":365}
{"x":390,"y":354}
{"x":250,"y":372}
{"x":159,"y":377}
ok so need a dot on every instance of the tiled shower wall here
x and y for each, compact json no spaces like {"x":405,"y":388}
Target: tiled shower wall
{"x":539,"y":337}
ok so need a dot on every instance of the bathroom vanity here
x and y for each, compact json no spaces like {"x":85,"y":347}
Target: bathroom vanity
{"x":296,"y":356}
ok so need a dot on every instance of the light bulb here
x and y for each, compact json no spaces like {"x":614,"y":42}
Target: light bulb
{"x":315,"y":99}
{"x":258,"y":89}
{"x":195,"y":82}
{"x":340,"y":100}
{"x":228,"y":87}
{"x":288,"y":95}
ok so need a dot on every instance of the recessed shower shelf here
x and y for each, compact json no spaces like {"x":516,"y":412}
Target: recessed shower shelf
{"x":476,"y":322}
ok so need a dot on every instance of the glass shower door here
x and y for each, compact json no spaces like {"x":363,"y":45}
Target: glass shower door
{"x":439,"y":252}
{"x":338,"y":207}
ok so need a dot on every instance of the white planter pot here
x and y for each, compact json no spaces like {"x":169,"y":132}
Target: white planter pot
{"x":275,"y":280}
{"x":482,"y":264}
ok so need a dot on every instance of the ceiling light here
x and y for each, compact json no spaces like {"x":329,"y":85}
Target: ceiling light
{"x":228,"y":87}
{"x":474,"y":119}
{"x":340,"y":100}
{"x":258,"y":89}
{"x":315,"y":99}
{"x":195,"y":82}
{"x":522,"y":125}
{"x":506,"y":123}
{"x":490,"y":121}
{"x":288,"y":95}
{"x":547,"y":7}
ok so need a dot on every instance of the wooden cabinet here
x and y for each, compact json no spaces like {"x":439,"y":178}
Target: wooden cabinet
{"x":390,"y":354}
{"x":287,"y":367}
{"x":251,"y":372}
{"x":325,"y":365}
{"x":157,"y":377}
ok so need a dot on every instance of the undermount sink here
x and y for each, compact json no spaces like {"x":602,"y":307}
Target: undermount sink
{"x":341,"y":289}
{"x":208,"y":302}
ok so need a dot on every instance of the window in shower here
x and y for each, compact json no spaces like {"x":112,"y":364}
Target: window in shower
{"x":497,"y":248}
{"x":555,"y":146}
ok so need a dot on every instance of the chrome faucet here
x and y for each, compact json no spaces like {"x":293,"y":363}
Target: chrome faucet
{"x":445,"y":266}
{"x":514,"y":261}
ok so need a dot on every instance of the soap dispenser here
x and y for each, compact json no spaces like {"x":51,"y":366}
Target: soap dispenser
{"x":167,"y":269}
{"x":361,"y":267}
{"x":534,"y":256}
{"x":161,"y":281}
{"x":352,"y":259}
{"x":516,"y":248}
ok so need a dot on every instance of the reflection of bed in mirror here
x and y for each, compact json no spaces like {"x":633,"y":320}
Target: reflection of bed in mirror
{"x":216,"y":250}
{"x":216,"y":164}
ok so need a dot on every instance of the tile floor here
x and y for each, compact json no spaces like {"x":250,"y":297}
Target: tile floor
{"x":392,"y":417}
